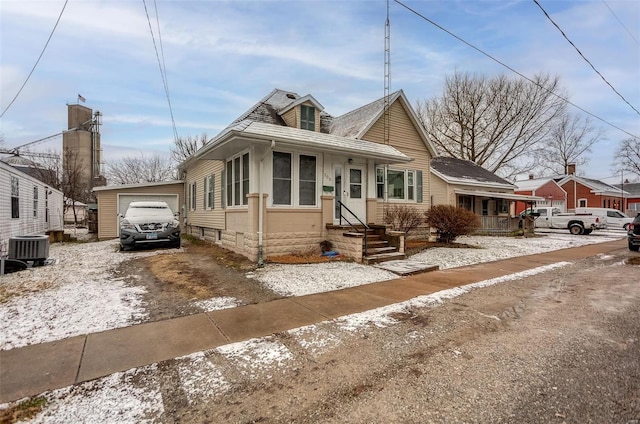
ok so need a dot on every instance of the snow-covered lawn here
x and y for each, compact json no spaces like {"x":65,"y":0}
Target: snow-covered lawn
{"x":79,"y":294}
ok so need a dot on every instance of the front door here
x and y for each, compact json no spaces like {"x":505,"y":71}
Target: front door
{"x":351,"y":189}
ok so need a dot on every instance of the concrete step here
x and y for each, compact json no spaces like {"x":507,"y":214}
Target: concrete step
{"x":377,"y":250}
{"x":376,"y":243}
{"x":382,"y":257}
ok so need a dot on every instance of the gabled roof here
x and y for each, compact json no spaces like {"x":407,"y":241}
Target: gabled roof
{"x":356,"y":123}
{"x":249,"y":132}
{"x":301,"y":100}
{"x":596,"y":186}
{"x":460,"y":171}
{"x":270,"y":107}
{"x":532,"y":184}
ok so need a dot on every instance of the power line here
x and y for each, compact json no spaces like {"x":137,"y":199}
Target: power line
{"x":162,"y":72}
{"x":620,"y":22}
{"x":37,"y":61}
{"x":583,"y":56}
{"x":512,"y":69}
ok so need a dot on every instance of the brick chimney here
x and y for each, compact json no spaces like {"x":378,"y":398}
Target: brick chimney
{"x":571,"y":169}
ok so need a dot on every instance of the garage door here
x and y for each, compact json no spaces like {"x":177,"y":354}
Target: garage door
{"x":125,"y":199}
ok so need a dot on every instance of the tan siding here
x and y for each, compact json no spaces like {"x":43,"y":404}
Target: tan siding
{"x":291,"y":118}
{"x":210,"y":218}
{"x":440,"y":192}
{"x":107,"y":210}
{"x":405,"y":137}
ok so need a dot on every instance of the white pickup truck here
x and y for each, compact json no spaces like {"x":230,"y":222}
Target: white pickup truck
{"x":546,"y":217}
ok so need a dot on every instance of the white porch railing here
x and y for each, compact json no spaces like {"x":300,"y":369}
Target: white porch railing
{"x":498,"y":224}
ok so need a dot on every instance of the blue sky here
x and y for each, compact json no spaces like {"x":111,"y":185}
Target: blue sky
{"x":222,"y":57}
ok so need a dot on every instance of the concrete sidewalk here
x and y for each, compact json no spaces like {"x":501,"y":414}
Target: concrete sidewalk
{"x":34,"y":369}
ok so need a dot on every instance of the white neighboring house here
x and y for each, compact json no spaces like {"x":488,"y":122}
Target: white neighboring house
{"x":27,"y":206}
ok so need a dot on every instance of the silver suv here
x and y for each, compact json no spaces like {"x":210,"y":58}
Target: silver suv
{"x":149,"y":223}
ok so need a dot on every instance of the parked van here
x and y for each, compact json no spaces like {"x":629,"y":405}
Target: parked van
{"x":615,"y":218}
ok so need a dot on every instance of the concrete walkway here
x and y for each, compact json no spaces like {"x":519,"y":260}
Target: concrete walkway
{"x":31,"y":370}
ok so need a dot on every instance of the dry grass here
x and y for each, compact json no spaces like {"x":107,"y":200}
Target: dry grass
{"x":7,"y":292}
{"x":22,"y":411}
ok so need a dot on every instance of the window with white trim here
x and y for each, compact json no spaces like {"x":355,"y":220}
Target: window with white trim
{"x":238,"y":180}
{"x":15,"y":198}
{"x":211,"y":183}
{"x":465,"y":202}
{"x":295,"y":179}
{"x":307,"y":118}
{"x":582,"y":203}
{"x":307,"y":185}
{"x":400,"y":184}
{"x":35,"y":201}
{"x":192,"y":196}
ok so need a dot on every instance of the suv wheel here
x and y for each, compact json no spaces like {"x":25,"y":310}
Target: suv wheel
{"x":635,"y":248}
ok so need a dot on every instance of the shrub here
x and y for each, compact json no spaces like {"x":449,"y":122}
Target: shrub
{"x":403,"y":218}
{"x":451,"y":222}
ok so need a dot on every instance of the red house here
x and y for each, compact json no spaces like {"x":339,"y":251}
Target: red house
{"x":542,"y":187}
{"x":585,"y":192}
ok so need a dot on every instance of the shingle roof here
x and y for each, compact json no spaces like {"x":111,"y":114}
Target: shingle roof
{"x":313,"y":139}
{"x":597,"y":186}
{"x":632,"y":188}
{"x":266,"y":110}
{"x":465,"y":171}
{"x":353,"y":123}
{"x":531,"y":184}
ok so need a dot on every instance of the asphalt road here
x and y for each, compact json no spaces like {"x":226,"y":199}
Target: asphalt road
{"x":558,"y":347}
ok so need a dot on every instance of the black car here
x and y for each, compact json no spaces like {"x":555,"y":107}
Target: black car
{"x":633,"y":234}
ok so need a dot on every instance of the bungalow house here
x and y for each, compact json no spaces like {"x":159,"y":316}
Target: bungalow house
{"x":585,"y":192}
{"x":286,"y":175}
{"x":463,"y":183}
{"x":547,"y":188}
{"x":27,"y":206}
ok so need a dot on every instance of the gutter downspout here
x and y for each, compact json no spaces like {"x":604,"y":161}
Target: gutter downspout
{"x":261,"y":206}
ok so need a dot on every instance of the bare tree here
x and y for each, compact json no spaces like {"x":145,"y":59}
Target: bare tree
{"x":184,"y":147}
{"x":496,"y":122}
{"x":628,"y":156}
{"x":48,"y":169}
{"x":66,"y":175}
{"x":568,"y":142}
{"x":140,"y":169}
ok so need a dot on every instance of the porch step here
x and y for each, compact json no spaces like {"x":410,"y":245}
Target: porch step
{"x":376,"y":243}
{"x":377,"y":250}
{"x":382,"y":257}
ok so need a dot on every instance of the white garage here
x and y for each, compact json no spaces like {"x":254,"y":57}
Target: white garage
{"x":170,"y":199}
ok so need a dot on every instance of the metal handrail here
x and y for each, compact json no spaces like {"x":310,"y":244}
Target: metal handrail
{"x":366,"y":227}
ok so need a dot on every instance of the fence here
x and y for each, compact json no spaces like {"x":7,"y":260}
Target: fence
{"x":498,"y":224}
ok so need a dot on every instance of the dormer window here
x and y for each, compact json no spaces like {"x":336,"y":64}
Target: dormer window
{"x":307,"y":118}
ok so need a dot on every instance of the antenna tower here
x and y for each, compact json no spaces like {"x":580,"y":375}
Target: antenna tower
{"x":387,"y":75}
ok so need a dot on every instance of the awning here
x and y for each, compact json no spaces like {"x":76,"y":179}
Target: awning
{"x":496,"y":195}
